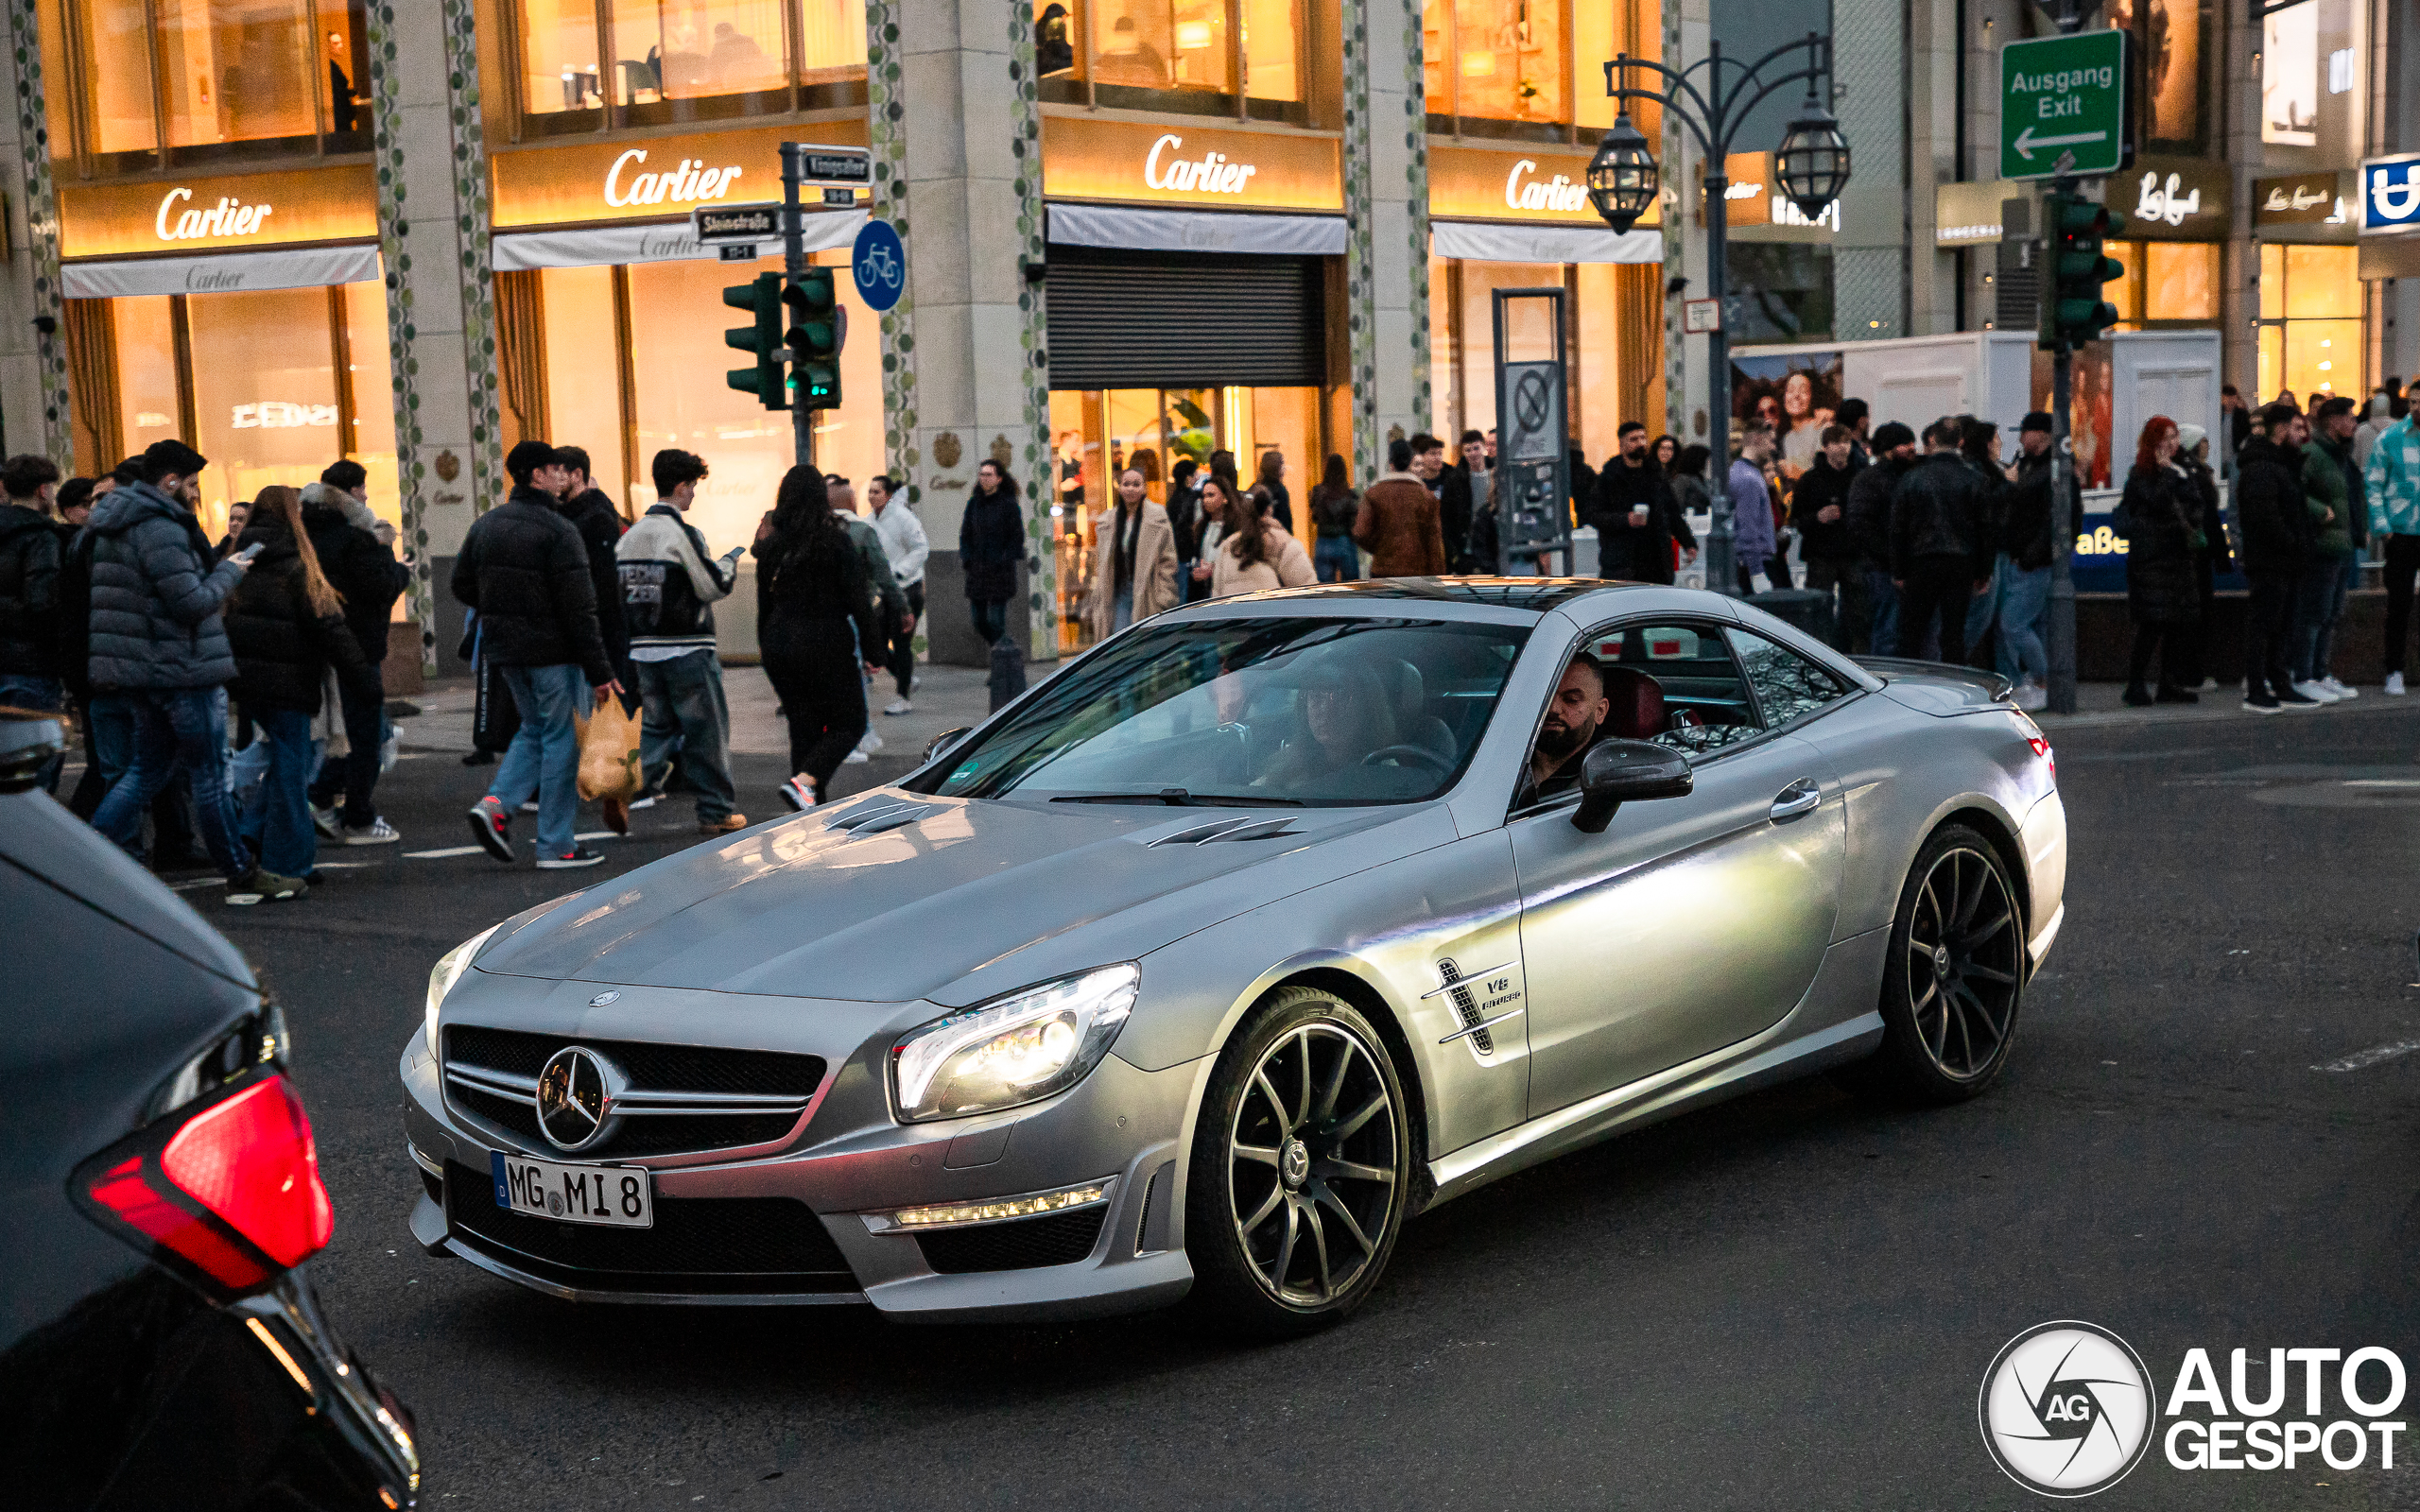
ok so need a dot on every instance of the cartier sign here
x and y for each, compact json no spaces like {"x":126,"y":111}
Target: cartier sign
{"x":287,"y":208}
{"x":657,"y":179}
{"x":1205,"y":168}
{"x":1518,"y":184}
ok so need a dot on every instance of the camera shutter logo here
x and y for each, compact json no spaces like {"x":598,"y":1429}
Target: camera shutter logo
{"x":2067,"y":1409}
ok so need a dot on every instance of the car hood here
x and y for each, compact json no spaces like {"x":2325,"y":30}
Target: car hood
{"x":897,"y":896}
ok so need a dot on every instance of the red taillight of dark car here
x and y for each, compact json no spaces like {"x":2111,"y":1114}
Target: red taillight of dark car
{"x":230,"y":1190}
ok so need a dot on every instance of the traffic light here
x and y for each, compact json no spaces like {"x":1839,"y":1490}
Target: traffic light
{"x":2073,"y":311}
{"x":817,"y":328}
{"x":761,"y":297}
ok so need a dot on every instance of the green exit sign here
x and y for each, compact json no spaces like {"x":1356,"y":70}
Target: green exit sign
{"x":2062,"y":106}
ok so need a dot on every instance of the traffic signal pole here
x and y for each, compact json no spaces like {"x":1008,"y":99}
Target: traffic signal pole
{"x":2062,"y":689}
{"x":793,"y":268}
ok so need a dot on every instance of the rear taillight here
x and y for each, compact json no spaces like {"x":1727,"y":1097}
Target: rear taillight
{"x":2042,"y":749}
{"x":227,"y":1191}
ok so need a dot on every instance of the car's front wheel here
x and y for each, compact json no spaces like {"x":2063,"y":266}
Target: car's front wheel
{"x":1954,"y":978}
{"x":1301,"y":1166}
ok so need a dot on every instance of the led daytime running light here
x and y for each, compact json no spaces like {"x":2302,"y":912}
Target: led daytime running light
{"x":955,"y":1214}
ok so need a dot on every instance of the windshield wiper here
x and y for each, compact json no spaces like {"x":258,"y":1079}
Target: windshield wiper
{"x":1177,"y":797}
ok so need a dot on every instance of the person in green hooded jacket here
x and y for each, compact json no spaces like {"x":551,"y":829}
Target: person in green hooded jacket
{"x":2333,"y":482}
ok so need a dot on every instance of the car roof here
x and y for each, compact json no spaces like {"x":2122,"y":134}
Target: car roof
{"x":1537,"y":595}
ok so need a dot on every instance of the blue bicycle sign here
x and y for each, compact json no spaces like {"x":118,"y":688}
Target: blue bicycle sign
{"x":879,"y":263}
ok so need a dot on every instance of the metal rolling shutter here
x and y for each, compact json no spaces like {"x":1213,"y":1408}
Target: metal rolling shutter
{"x":1160,"y":319}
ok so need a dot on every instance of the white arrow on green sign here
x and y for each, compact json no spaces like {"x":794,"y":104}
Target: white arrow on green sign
{"x":2062,"y":106}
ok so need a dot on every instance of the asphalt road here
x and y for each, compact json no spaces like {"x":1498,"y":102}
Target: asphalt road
{"x":1789,"y":1300}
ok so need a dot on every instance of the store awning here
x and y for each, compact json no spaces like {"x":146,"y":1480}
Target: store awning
{"x":293,"y":268}
{"x":1503,"y":242}
{"x":666,"y":242}
{"x":1196,"y":231}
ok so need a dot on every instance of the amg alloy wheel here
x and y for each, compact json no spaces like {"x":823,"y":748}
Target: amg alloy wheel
{"x":1301,"y":1167}
{"x":1954,"y":976}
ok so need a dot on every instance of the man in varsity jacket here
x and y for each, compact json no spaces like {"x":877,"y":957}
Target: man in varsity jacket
{"x":669,"y":583}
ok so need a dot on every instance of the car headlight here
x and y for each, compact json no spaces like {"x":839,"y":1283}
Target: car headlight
{"x":447,"y":972}
{"x":1017,"y":1050}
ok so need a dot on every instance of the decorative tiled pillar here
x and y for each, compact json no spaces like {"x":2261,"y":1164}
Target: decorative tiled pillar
{"x":886,"y":132}
{"x":1387,"y":75}
{"x":1360,"y":277}
{"x":969,"y":380}
{"x":440,"y":303}
{"x":44,"y":300}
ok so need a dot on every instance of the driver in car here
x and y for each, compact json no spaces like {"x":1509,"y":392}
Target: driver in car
{"x":1345,"y":721}
{"x":1574,"y":714}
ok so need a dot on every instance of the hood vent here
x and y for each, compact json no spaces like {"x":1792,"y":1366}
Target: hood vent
{"x":1227,"y":830}
{"x":875,"y":817}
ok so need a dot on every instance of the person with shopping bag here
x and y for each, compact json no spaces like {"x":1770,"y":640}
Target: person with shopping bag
{"x":524,"y":569}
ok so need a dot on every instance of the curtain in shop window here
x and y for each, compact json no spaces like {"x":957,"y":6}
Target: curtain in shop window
{"x":1638,"y":340}
{"x":92,"y":382}
{"x":521,"y":356}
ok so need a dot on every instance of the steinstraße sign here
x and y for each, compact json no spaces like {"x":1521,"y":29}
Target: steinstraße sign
{"x":2062,"y":106}
{"x":736,"y":223}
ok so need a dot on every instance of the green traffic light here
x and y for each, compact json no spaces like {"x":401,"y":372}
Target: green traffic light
{"x":817,"y":329}
{"x":761,"y":297}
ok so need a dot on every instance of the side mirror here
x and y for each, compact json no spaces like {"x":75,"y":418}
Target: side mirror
{"x":1620,"y":771}
{"x":945,"y":740}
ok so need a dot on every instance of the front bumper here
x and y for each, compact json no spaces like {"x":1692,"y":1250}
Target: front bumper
{"x":807,"y":1226}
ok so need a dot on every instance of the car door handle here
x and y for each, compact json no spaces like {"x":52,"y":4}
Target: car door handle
{"x":1801,"y":797}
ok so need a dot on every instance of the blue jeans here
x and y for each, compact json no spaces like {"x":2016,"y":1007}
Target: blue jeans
{"x":20,"y":690}
{"x":2319,"y":600}
{"x":1883,"y":595}
{"x":172,"y":728}
{"x":543,"y":756}
{"x":1121,"y":613}
{"x":685,"y":711}
{"x":2025,"y":609}
{"x":1336,"y":561}
{"x":277,"y":818}
{"x":990,"y":618}
{"x":1984,"y":613}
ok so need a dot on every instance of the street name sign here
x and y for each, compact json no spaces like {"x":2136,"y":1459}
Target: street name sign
{"x":821,"y":165}
{"x":2062,"y":106}
{"x":736,"y":223}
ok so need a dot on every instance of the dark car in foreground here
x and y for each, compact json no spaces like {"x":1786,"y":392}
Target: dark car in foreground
{"x":161,"y":1345}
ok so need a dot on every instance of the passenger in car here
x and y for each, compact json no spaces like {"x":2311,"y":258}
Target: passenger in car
{"x":1346,"y":719}
{"x":1573,"y":715}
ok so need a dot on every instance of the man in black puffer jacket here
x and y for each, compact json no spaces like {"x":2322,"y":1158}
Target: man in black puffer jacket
{"x":371,"y":579}
{"x":600,"y":526}
{"x":159,"y":661}
{"x":1941,"y":546}
{"x":1867,"y":515}
{"x":2275,"y":514}
{"x":524,"y":569}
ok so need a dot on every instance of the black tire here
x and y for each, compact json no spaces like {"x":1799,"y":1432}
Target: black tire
{"x":1290,"y":1242}
{"x":1954,"y":977}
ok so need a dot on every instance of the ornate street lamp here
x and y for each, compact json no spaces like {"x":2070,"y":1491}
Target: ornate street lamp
{"x":1622,"y":177}
{"x":1813,"y":166}
{"x":1813,"y":163}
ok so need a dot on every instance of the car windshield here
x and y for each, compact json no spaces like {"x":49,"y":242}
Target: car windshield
{"x":1259,"y":713}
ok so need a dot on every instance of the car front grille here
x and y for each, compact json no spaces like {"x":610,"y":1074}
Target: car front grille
{"x":687,"y":1091}
{"x":698,"y":1244}
{"x":1022,"y":1244}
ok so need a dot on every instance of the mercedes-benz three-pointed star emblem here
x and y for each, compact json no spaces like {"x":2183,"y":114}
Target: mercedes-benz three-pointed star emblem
{"x":576,"y":1092}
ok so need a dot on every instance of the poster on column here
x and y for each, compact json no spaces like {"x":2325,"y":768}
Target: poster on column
{"x":1793,"y":396}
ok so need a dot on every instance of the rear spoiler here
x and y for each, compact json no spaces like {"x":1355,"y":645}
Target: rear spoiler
{"x":1886,"y":667}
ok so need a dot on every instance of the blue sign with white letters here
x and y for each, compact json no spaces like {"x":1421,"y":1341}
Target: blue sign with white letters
{"x":878,"y":262}
{"x":2391,"y":194}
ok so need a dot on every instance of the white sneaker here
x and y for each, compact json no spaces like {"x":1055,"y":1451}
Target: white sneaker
{"x":2032,"y":697}
{"x":2208,"y":685}
{"x":899,"y":706}
{"x":2395,"y":684}
{"x":325,"y":822}
{"x":855,"y":758}
{"x":2342,"y":692}
{"x":871,"y":744}
{"x":2316,"y":692}
{"x":378,"y":831}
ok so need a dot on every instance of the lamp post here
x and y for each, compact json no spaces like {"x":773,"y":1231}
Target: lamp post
{"x":1624,"y":180}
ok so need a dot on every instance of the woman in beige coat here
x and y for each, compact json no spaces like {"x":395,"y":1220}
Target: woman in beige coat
{"x":1133,"y":560}
{"x":1257,"y":552}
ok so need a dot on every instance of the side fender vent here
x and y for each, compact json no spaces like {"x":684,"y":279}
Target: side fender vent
{"x":1227,"y":830}
{"x":1465,"y":1006}
{"x":875,"y":817}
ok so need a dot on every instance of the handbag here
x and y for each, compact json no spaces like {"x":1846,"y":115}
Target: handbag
{"x":609,"y":754}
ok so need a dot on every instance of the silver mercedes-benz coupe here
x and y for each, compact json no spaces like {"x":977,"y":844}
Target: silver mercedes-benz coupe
{"x":1249,"y":935}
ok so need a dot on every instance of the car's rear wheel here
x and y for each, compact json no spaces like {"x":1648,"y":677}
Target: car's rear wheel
{"x":1954,"y":978}
{"x":1301,"y":1166}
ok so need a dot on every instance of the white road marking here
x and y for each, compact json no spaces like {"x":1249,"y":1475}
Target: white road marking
{"x":449,"y":851}
{"x":2361,"y":1059}
{"x":2383,"y":782}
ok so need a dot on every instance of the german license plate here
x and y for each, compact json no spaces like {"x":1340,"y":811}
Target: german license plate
{"x":622,"y":1197}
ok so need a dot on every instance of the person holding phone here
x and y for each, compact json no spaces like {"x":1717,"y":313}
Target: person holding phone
{"x":669,"y":588}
